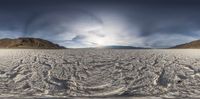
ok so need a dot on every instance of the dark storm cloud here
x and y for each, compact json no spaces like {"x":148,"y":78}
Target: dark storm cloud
{"x":167,"y":20}
{"x":152,"y":23}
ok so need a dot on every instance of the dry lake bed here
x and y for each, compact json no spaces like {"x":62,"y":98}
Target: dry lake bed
{"x":100,"y":73}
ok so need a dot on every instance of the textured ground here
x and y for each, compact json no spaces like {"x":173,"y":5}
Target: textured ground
{"x":100,"y":73}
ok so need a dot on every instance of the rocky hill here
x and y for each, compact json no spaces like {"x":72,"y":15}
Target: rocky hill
{"x":28,"y":43}
{"x":193,"y":44}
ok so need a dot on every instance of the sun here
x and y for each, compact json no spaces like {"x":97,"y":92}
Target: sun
{"x":99,"y":41}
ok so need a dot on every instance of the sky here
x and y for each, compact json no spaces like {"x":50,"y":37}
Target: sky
{"x":92,"y":23}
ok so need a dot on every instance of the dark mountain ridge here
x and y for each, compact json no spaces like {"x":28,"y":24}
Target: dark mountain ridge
{"x":28,"y":43}
{"x":194,"y":44}
{"x":121,"y":47}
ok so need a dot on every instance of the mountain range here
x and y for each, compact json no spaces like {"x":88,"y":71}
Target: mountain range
{"x":37,"y":43}
{"x":191,"y":45}
{"x":121,"y":47}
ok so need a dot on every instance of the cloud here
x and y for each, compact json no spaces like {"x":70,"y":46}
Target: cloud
{"x":79,"y":24}
{"x":166,"y":19}
{"x":164,"y":40}
{"x":67,"y":26}
{"x":10,"y":34}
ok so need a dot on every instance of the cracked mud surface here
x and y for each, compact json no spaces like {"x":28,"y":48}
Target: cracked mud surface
{"x":100,"y":72}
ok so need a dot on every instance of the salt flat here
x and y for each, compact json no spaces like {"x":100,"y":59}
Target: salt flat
{"x":142,"y":74}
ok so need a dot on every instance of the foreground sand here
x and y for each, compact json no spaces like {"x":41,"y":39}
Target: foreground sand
{"x":109,"y":73}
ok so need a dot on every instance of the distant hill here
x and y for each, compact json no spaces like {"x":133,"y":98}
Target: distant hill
{"x":121,"y":47}
{"x":193,"y":44}
{"x":28,"y":43}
